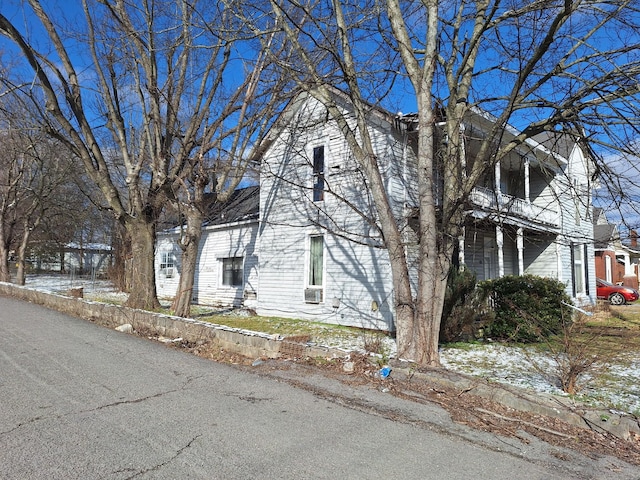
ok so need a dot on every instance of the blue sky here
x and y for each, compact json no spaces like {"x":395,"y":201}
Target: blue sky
{"x":402,"y":97}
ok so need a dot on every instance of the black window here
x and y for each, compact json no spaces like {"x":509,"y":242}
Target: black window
{"x":318,"y":174}
{"x":232,"y":271}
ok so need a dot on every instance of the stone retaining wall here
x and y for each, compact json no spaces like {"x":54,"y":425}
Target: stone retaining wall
{"x":247,"y":343}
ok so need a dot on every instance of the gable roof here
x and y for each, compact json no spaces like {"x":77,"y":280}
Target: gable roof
{"x":243,"y":204}
{"x":599,"y":217}
{"x":341,"y":98}
{"x":603,"y":235}
{"x":561,"y":143}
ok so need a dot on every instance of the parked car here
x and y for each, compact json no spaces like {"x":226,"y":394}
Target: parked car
{"x":616,"y":294}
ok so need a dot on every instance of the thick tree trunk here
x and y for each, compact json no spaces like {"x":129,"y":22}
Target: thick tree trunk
{"x":5,"y":272}
{"x":143,"y":293}
{"x":189,"y":244}
{"x":181,"y":306}
{"x":420,"y":344}
{"x":433,"y":267}
{"x":21,"y":275}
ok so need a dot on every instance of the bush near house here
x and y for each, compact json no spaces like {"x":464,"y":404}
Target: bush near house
{"x":465,"y":310}
{"x":527,"y":308}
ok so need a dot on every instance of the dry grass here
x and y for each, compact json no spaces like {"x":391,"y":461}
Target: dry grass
{"x":598,"y":348}
{"x":616,"y":327}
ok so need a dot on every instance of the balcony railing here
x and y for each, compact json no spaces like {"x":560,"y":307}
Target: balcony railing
{"x":489,"y":200}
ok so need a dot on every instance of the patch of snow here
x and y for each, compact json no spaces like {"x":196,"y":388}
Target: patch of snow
{"x":93,"y":288}
{"x":516,"y":366}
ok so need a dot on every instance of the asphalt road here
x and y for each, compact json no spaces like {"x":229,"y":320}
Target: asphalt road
{"x":78,"y":401}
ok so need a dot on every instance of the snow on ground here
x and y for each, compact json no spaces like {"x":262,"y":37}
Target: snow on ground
{"x":614,"y":386}
{"x":512,"y":365}
{"x":63,"y":283}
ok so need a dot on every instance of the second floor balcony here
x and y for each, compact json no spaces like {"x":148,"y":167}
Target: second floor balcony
{"x":509,"y":206}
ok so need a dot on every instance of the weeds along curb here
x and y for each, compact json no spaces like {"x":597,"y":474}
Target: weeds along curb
{"x":244,"y":342}
{"x":622,"y":426}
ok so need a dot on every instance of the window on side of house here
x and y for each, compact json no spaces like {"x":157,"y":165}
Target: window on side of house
{"x":579,"y":276}
{"x":316,"y":261}
{"x":232,"y":271}
{"x":318,"y":174}
{"x":166,"y":259}
{"x":313,"y":293}
{"x":167,"y":263}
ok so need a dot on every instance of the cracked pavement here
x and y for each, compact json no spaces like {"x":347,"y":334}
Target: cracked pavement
{"x":80,"y":401}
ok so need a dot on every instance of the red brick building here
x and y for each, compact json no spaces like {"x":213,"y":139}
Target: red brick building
{"x":615,"y":261}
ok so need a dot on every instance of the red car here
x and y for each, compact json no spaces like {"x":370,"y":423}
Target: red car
{"x":616,"y":294}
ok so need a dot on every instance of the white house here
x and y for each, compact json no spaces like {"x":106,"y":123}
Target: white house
{"x":320,"y":258}
{"x":76,"y":258}
{"x":226,"y":273}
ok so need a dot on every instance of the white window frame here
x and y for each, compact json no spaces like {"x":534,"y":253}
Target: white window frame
{"x":167,"y":263}
{"x":309,"y":260}
{"x":167,"y":260}
{"x":579,"y":274}
{"x":314,"y":292}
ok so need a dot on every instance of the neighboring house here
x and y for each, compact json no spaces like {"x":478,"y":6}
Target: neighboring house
{"x":320,"y":258}
{"x":615,"y":262}
{"x":227,"y":266}
{"x":77,"y":259}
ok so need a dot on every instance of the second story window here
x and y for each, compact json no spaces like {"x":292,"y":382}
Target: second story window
{"x":318,"y":174}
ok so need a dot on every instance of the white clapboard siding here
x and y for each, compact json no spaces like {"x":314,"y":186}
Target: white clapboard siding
{"x":217,"y":243}
{"x":167,"y":282}
{"x":577,"y":222}
{"x":357,"y":276}
{"x":541,"y":257}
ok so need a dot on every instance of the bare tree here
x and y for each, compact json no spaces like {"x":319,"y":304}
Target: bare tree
{"x":34,"y":170}
{"x":225,"y":149}
{"x":139,"y":108}
{"x":543,"y":66}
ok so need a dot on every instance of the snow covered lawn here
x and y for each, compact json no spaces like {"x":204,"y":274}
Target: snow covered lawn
{"x":613,"y":386}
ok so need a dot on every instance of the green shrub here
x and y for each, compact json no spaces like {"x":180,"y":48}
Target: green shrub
{"x":464,"y":311}
{"x":527,"y":308}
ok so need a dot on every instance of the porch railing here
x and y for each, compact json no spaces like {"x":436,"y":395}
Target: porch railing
{"x":489,"y":200}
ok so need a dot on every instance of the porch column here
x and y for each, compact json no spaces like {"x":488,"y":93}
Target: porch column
{"x":559,"y":259}
{"x":500,"y":244}
{"x":628,"y":270}
{"x":520,"y":246}
{"x":461,"y":240}
{"x":527,"y":187}
{"x":498,"y":188}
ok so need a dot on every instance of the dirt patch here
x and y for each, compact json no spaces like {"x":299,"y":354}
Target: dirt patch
{"x":480,"y":413}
